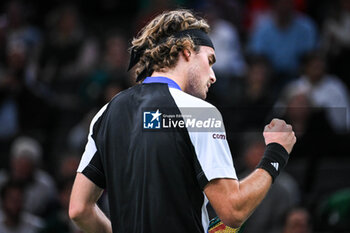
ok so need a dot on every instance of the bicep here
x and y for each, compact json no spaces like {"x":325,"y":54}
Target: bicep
{"x":84,"y":191}
{"x":220,"y":195}
{"x":91,"y":162}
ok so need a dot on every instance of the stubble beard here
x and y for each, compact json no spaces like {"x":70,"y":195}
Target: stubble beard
{"x":194,"y":84}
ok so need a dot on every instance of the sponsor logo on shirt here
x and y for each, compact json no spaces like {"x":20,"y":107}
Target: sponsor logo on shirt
{"x":219,"y":136}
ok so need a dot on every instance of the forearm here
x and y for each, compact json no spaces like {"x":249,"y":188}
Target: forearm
{"x":234,"y":201}
{"x":252,"y":190}
{"x":93,"y":220}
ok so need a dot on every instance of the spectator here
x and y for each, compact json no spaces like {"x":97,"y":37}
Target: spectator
{"x":257,"y":99}
{"x":58,"y":220}
{"x":112,"y":68}
{"x":14,"y":27}
{"x":283,"y":195}
{"x":13,"y":218}
{"x":17,"y":85}
{"x":297,"y":220}
{"x":325,"y":91}
{"x":257,"y":10}
{"x":230,"y":63}
{"x":19,"y":94}
{"x":311,"y":128}
{"x":226,"y":39}
{"x":18,"y":39}
{"x":333,"y":212}
{"x":76,"y":139}
{"x":284,"y":38}
{"x":336,"y":36}
{"x":69,"y":54}
{"x":77,"y":136}
{"x":39,"y":188}
{"x":149,"y":8}
{"x":296,"y":106}
{"x":9,"y":119}
{"x":68,"y":166}
{"x":20,"y":88}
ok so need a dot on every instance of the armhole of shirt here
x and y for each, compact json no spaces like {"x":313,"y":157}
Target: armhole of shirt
{"x":90,"y":163}
{"x":211,"y":148}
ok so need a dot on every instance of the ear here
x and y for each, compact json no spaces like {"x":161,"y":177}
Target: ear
{"x":187,"y":54}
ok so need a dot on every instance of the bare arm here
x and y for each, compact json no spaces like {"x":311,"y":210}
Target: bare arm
{"x":83,"y":209}
{"x":234,"y":201}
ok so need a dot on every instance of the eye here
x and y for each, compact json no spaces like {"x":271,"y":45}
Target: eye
{"x":211,"y":60}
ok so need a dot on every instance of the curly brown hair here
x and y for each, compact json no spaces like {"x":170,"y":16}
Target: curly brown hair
{"x":161,"y":49}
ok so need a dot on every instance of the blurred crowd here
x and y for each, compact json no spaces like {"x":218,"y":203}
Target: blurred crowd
{"x":62,"y":61}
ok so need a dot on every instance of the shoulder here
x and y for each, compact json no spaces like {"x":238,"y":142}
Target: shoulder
{"x":265,"y":23}
{"x":44,"y":178}
{"x":32,"y":221}
{"x":3,"y":177}
{"x":333,"y":80}
{"x":305,"y":22}
{"x":196,"y":108}
{"x":183,"y":99}
{"x":224,"y":29}
{"x":125,"y":94}
{"x":335,"y":83}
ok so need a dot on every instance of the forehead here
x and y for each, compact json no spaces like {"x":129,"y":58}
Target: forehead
{"x":207,"y":50}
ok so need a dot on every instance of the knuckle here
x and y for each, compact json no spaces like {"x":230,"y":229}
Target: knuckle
{"x":274,"y":121}
{"x":289,"y":128}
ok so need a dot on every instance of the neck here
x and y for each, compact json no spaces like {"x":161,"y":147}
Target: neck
{"x":178,"y":73}
{"x":284,"y":20}
{"x":173,"y":75}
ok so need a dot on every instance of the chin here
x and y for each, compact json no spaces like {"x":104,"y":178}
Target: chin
{"x":198,"y":94}
{"x":203,"y":96}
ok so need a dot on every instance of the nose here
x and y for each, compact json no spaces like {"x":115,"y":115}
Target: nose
{"x":212,"y":76}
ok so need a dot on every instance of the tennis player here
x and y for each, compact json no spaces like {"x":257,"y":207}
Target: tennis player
{"x":160,"y":180}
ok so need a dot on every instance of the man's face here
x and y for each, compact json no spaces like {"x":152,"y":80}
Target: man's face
{"x":315,"y":70}
{"x":200,"y":74}
{"x":22,"y":168}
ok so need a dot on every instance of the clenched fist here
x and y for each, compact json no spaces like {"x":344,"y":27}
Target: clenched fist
{"x":280,"y":132}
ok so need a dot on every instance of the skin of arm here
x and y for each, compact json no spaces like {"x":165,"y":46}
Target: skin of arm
{"x":234,"y":201}
{"x":83,"y":209}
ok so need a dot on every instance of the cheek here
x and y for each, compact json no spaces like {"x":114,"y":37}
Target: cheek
{"x":193,"y":74}
{"x":205,"y":65}
{"x":195,"y":84}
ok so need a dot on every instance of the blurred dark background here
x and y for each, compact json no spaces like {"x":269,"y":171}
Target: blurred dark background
{"x":60,"y":61}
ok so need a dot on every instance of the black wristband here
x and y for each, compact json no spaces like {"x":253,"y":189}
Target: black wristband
{"x":274,"y":160}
